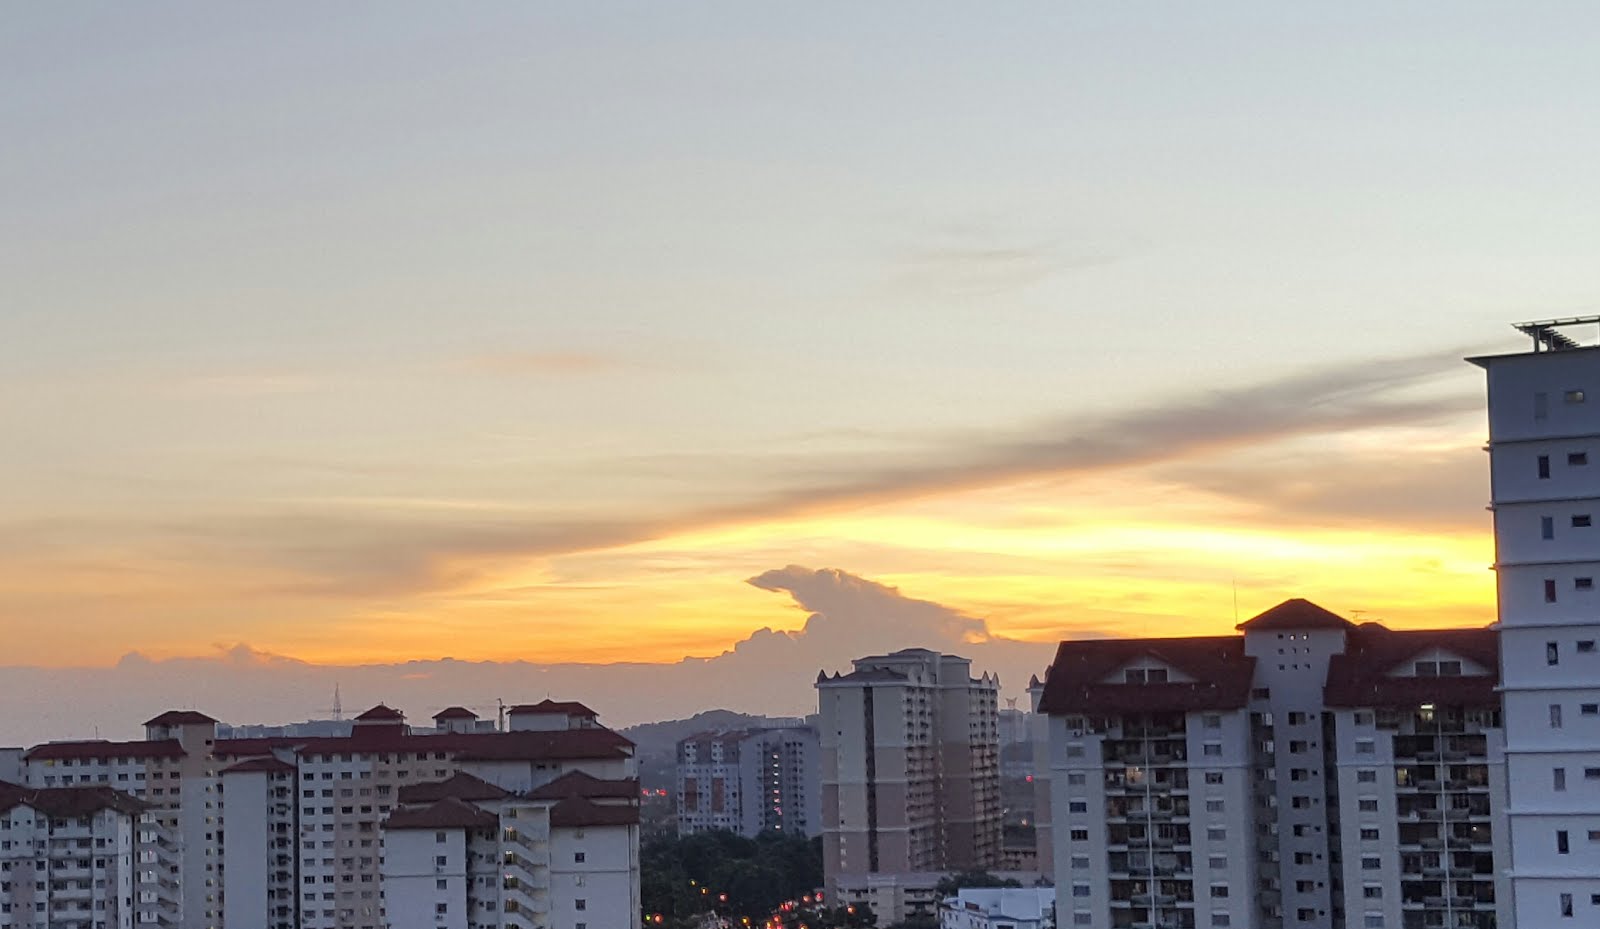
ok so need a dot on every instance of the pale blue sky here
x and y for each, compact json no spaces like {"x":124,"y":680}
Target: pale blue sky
{"x":590,"y":258}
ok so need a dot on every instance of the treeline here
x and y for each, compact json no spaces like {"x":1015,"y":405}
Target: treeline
{"x":684,"y":878}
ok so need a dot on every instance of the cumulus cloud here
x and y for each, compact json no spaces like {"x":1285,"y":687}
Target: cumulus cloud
{"x":770,"y":671}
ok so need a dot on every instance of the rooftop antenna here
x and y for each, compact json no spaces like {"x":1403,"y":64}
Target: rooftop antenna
{"x":500,"y":716}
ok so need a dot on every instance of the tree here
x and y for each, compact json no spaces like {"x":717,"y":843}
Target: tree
{"x":949,"y":884}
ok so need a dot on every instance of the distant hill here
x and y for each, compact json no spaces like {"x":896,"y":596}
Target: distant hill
{"x":658,"y":742}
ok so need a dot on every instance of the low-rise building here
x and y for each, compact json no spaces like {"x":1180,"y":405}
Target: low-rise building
{"x":999,"y":908}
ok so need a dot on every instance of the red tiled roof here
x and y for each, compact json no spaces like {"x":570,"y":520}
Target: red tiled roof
{"x":558,"y":744}
{"x":460,"y":785}
{"x":268,"y":764}
{"x":381,"y":713}
{"x":577,"y":811}
{"x":552,"y":708}
{"x":180,"y":718}
{"x":1364,"y":675}
{"x":455,"y":712}
{"x":1296,"y":614}
{"x":581,"y":784}
{"x":69,"y":801}
{"x":160,"y":748}
{"x":448,"y":813}
{"x":1076,"y":679}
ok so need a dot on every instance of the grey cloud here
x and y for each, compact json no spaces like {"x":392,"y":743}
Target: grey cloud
{"x":354,"y":552}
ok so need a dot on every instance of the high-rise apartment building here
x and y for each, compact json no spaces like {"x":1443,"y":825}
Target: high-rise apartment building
{"x":290,"y":831}
{"x":1544,"y":459}
{"x":910,"y":777}
{"x":1306,"y":773}
{"x":749,"y":781}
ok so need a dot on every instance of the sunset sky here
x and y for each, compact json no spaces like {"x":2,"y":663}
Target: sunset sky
{"x":364,"y":333}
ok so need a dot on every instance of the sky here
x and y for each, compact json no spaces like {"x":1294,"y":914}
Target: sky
{"x":535,"y":336}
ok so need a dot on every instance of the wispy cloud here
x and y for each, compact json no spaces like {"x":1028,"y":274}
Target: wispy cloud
{"x":540,"y":363}
{"x":356,"y":551}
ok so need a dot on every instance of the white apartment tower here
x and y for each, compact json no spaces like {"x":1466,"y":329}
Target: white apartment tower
{"x":1544,"y":460}
{"x":910,"y":777}
{"x":1309,"y":774}
{"x":749,"y":781}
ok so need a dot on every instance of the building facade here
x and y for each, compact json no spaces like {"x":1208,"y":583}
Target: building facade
{"x":1306,"y":773}
{"x":749,"y":781}
{"x":910,"y":777}
{"x":1544,"y":449}
{"x":291,"y":830}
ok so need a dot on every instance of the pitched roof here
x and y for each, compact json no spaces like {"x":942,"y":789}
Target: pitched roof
{"x":448,"y":813}
{"x":549,"y":707}
{"x":180,"y":718}
{"x":460,"y":785}
{"x":381,"y":713}
{"x":1296,"y":614}
{"x":1076,"y":683}
{"x":69,"y":801}
{"x":1364,"y":675}
{"x":522,"y":745}
{"x":581,"y":784}
{"x":97,"y":748}
{"x":455,"y":712}
{"x":579,"y":811}
{"x":865,"y":676}
{"x":269,"y":765}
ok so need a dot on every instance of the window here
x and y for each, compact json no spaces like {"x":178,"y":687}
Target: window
{"x":1566,"y":904}
{"x":1080,"y":861}
{"x":1544,"y":467}
{"x":1080,"y":835}
{"x":1075,"y":778}
{"x":441,"y":861}
{"x":439,"y":837}
{"x":1366,"y":776}
{"x":1081,"y":918}
{"x":1297,"y":718}
{"x":1577,"y":459}
{"x":580,"y":904}
{"x":578,"y":857}
{"x":1426,"y":669}
{"x":440,"y":909}
{"x":1219,"y":891}
{"x":1549,"y":590}
{"x":1558,"y":777}
{"x":1589,"y":709}
{"x":1078,"y":806}
{"x":1365,"y":746}
{"x":441,"y":884}
{"x":1212,"y":721}
{"x":1583,"y":583}
{"x":1371,"y":863}
{"x":1213,"y":777}
{"x":1216,"y":834}
{"x":1261,"y":693}
{"x":1213,"y":806}
{"x":1369,"y":834}
{"x":1581,"y":521}
{"x":1218,"y":862}
{"x":1221,"y":919}
{"x":1368,"y":804}
{"x":1562,"y":845}
{"x":1547,"y":527}
{"x":1552,"y":653}
{"x":1373,"y":921}
{"x":1573,"y":396}
{"x":1591,"y":774}
{"x":1080,"y":890}
{"x":1212,"y":749}
{"x":1555,"y":716}
{"x":1586,"y":647}
{"x":1372,"y":891}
